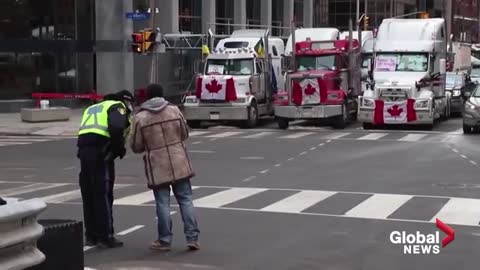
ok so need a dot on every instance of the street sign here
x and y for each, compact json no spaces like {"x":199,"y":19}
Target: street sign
{"x":137,"y":16}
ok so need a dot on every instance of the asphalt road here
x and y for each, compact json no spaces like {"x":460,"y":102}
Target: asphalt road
{"x":304,"y":198}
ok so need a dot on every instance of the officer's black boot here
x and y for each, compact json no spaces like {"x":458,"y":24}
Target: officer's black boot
{"x":110,"y":243}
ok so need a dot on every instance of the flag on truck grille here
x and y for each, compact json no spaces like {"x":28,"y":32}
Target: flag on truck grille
{"x":396,"y":113}
{"x":216,"y":88}
{"x":260,"y":48}
{"x":308,"y":92}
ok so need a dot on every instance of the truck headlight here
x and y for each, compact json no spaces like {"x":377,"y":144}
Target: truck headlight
{"x":457,"y":93}
{"x":368,"y":103}
{"x":191,"y":100}
{"x":421,"y":104}
{"x":469,"y":106}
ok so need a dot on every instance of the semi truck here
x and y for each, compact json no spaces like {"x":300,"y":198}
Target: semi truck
{"x":323,"y":80}
{"x":238,"y":80}
{"x":407,"y":74}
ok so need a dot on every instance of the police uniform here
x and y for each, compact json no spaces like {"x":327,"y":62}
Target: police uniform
{"x":100,"y":141}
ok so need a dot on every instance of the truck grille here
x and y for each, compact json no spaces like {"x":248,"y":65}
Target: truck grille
{"x":393,"y":94}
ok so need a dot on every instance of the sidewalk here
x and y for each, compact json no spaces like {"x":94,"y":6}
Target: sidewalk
{"x":12,"y":124}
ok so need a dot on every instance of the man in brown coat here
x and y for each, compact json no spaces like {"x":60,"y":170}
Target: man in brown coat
{"x":159,"y":130}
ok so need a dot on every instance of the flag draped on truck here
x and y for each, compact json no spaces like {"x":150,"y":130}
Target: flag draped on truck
{"x":308,"y":92}
{"x":397,"y":113}
{"x":216,"y":88}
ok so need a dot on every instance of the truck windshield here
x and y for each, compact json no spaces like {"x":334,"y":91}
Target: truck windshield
{"x":324,"y":62}
{"x":229,"y":67}
{"x":408,"y":62}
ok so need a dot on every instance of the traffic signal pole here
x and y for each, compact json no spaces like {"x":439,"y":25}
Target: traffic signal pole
{"x":153,"y":65}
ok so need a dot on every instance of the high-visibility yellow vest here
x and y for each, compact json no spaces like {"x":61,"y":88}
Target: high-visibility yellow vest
{"x":95,"y":118}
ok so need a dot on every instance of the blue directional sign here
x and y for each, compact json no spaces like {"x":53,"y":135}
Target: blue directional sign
{"x":137,"y":16}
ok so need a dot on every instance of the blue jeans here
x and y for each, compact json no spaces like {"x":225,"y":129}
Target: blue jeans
{"x":183,"y":193}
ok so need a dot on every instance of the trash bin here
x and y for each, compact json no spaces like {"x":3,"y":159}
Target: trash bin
{"x":62,"y":245}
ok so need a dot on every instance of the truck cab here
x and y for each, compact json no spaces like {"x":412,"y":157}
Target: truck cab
{"x":321,"y":84}
{"x":238,"y":80}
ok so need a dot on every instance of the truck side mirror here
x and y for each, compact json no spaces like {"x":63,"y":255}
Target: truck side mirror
{"x":443,"y":66}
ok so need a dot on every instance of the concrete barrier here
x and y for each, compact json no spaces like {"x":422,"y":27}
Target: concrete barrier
{"x":51,"y":114}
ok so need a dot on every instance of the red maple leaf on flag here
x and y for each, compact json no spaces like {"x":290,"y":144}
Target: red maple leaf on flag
{"x":309,"y":90}
{"x":213,"y":86}
{"x":395,"y":111}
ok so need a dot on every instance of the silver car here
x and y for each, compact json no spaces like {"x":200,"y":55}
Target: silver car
{"x":471,"y":114}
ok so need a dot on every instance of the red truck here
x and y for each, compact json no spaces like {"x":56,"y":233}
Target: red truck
{"x":323,"y":83}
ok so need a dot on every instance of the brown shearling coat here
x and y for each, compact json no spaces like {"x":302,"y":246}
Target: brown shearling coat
{"x":160,"y":133}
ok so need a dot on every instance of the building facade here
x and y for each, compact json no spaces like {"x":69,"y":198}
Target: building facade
{"x":79,"y":46}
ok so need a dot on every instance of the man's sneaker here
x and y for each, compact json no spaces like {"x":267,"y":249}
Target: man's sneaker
{"x":160,"y":245}
{"x":90,"y":242}
{"x":110,"y":243}
{"x":193,"y":246}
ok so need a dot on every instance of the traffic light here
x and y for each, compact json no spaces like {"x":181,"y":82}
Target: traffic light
{"x":149,"y":38}
{"x":365,"y":22}
{"x":137,"y":46}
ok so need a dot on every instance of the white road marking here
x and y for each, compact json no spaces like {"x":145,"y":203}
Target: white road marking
{"x":336,"y":135}
{"x":278,"y":165}
{"x":196,"y":142}
{"x":86,"y":248}
{"x":321,"y":144}
{"x":298,"y":202}
{"x":69,"y":168}
{"x":225,"y":197}
{"x":303,"y":153}
{"x":264,"y":171}
{"x":329,"y":141}
{"x":28,"y":189}
{"x":372,"y":136}
{"x":201,"y":151}
{"x":463,"y":156}
{"x":313,"y":148}
{"x":461,"y":211}
{"x":252,"y":158}
{"x":136,"y":199}
{"x":225,"y":134}
{"x":197,"y":133}
{"x":412,"y":137}
{"x":473,"y":162}
{"x":296,"y":135}
{"x":130,"y":230}
{"x":248,"y":179}
{"x":454,"y":150}
{"x":290,"y":159}
{"x":29,"y":176}
{"x":258,"y":135}
{"x":378,"y":206}
{"x":14,"y":143}
{"x":70,"y":195}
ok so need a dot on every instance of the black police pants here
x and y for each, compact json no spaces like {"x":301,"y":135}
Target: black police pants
{"x":97,"y":178}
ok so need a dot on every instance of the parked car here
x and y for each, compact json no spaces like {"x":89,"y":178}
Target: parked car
{"x":459,"y":87}
{"x":471,"y":114}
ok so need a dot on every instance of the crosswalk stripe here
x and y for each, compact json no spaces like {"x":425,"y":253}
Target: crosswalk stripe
{"x":372,"y":136}
{"x":258,"y":135}
{"x":336,"y":135}
{"x":13,"y":143}
{"x":28,"y":188}
{"x":225,"y":134}
{"x":298,"y":202}
{"x":461,"y":211}
{"x":296,"y":135}
{"x":225,"y":197}
{"x":412,"y":137}
{"x":378,"y":206}
{"x":140,"y":198}
{"x":23,"y":140}
{"x":197,"y":133}
{"x":68,"y":196}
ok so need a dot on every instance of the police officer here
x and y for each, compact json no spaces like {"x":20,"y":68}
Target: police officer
{"x":101,"y":140}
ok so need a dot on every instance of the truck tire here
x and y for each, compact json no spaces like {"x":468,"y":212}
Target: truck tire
{"x":252,"y":121}
{"x":342,"y":120}
{"x":367,"y":126}
{"x":194,"y":123}
{"x":283,"y":123}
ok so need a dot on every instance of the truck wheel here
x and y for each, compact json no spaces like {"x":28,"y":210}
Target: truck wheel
{"x":194,"y":123}
{"x":467,"y":129}
{"x":342,"y":120}
{"x":282,"y":123}
{"x":252,"y":116}
{"x":367,"y":126}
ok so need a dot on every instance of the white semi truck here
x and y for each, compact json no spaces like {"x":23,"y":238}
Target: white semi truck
{"x":408,"y":74}
{"x":236,"y":83}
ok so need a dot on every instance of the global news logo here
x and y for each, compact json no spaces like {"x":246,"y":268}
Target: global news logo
{"x":423,"y":244}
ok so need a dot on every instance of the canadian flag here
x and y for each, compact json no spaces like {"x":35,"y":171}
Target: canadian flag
{"x":216,"y":88}
{"x":308,"y":92}
{"x":399,"y":112}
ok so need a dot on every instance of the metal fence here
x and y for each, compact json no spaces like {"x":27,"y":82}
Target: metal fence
{"x":19,"y":232}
